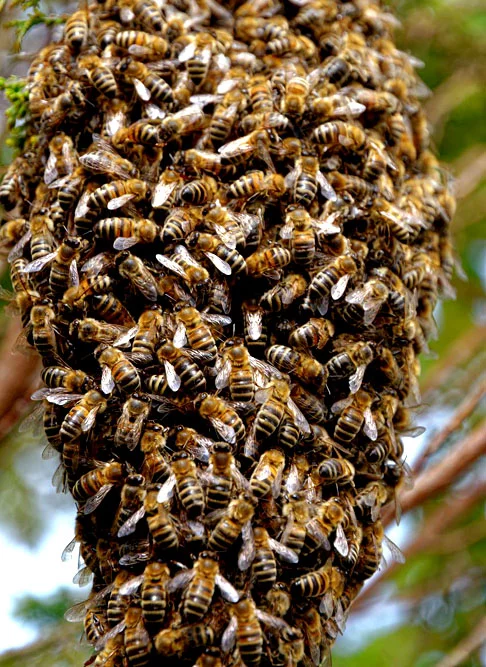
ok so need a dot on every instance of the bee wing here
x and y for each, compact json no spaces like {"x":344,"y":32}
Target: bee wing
{"x":395,"y":552}
{"x":292,"y":483}
{"x":131,"y":523}
{"x":125,"y":336}
{"x":228,"y":592}
{"x":322,"y":305}
{"x":196,"y":527}
{"x":130,"y":586}
{"x":219,"y":263}
{"x":222,"y":320}
{"x":180,"y":580}
{"x":39,"y":264}
{"x":222,"y":378}
{"x":286,"y":554}
{"x":173,"y":380}
{"x":33,"y":421}
{"x":345,"y":141}
{"x":356,"y":378}
{"x":316,"y":531}
{"x":247,"y":552}
{"x":254,"y":323}
{"x":250,"y":447}
{"x":142,"y":91}
{"x":326,"y":188}
{"x":105,"y":161}
{"x":18,"y":248}
{"x":370,"y":425}
{"x":240,"y":480}
{"x":200,"y":448}
{"x":73,"y":274}
{"x":50,"y":172}
{"x":326,"y":606}
{"x":67,"y":553}
{"x":339,"y":288}
{"x":123,"y":242}
{"x":82,"y":577}
{"x":371,"y":309}
{"x":286,"y":230}
{"x":171,"y":265}
{"x":62,"y":397}
{"x":107,"y":381}
{"x":96,"y":500}
{"x":162,"y":193}
{"x":118,"y":202}
{"x":239,"y":146}
{"x":229,"y":636}
{"x":299,"y":418}
{"x":226,"y":236}
{"x":154,"y":112}
{"x":226,"y":432}
{"x":339,"y":406}
{"x":77,"y":612}
{"x":166,"y":490}
{"x":113,"y":632}
{"x":204,"y":100}
{"x":180,"y":338}
{"x":187,"y":53}
{"x":340,"y":542}
{"x":326,"y":227}
{"x":265,"y":368}
{"x":271,"y":621}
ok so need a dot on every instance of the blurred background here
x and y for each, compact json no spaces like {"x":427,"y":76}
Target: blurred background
{"x":429,"y":611}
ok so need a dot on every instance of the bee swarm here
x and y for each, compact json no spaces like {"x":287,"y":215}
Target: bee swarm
{"x":227,"y":236}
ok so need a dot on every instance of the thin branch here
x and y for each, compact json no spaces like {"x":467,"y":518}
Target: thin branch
{"x":19,"y":375}
{"x":470,"y":177}
{"x":466,"y":647}
{"x":463,"y":411}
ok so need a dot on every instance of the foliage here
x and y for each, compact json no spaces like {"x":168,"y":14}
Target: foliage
{"x":17,"y":94}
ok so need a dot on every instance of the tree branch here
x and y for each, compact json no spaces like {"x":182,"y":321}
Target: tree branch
{"x":466,"y":647}
{"x":465,"y":409}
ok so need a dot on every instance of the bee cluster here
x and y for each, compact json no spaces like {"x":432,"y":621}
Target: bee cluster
{"x":227,"y":236}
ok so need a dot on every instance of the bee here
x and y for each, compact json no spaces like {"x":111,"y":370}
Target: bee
{"x":278,"y":600}
{"x":179,"y":225}
{"x":117,"y":603}
{"x":306,"y":179}
{"x":138,"y":645}
{"x":219,"y":297}
{"x":197,"y":160}
{"x":304,"y":366}
{"x":226,"y":422}
{"x":267,"y":476}
{"x":140,"y":43}
{"x":146,"y":337}
{"x":260,"y":94}
{"x":129,"y":426}
{"x":210,"y":658}
{"x":225,"y":115}
{"x":264,"y":565}
{"x":93,"y":486}
{"x":297,"y":513}
{"x":76,"y":30}
{"x":59,"y":377}
{"x":291,"y":646}
{"x":112,"y":653}
{"x":13,"y":233}
{"x":221,"y":477}
{"x":176,"y":642}
{"x":255,"y":328}
{"x":366,"y":302}
{"x":294,"y":100}
{"x":355,"y":411}
{"x":63,"y":271}
{"x":312,"y":407}
{"x":197,"y":56}
{"x":355,"y":360}
{"x":184,"y":265}
{"x":236,"y":371}
{"x":257,"y":143}
{"x":62,"y":158}
{"x":257,"y":183}
{"x":155,"y":468}
{"x":233,"y":228}
{"x":370,"y":499}
{"x":403,"y":225}
{"x":126,"y":232}
{"x":200,"y":583}
{"x":179,"y":368}
{"x":333,"y":280}
{"x":311,"y":625}
{"x":153,"y":593}
{"x":148,"y":85}
{"x":328,"y":517}
{"x":276,"y":406}
{"x":314,"y":334}
{"x":267,"y":261}
{"x":116,"y":194}
{"x":159,"y":521}
{"x":336,"y":106}
{"x":117,"y":371}
{"x":226,"y":259}
{"x":313,"y":584}
{"x":15,"y":181}
{"x":282,"y":295}
{"x":91,"y":330}
{"x":199,"y":191}
{"x":193,"y":330}
{"x":185,"y":480}
{"x":238,"y":513}
{"x":340,"y":133}
{"x":101,"y":157}
{"x":42,"y":318}
{"x":134,"y":270}
{"x":182,"y":122}
{"x":41,"y":239}
{"x":332,"y":471}
{"x":351,"y":187}
{"x":100,"y":76}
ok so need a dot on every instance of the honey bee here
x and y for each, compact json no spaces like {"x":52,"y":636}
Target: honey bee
{"x":146,"y":335}
{"x":306,"y":179}
{"x":41,"y":238}
{"x":138,"y":645}
{"x":370,"y":500}
{"x":221,"y":477}
{"x":333,"y":280}
{"x":267,"y":476}
{"x":333,"y":470}
{"x":313,"y":584}
{"x":99,"y":75}
{"x":238,"y":513}
{"x":64,"y":270}
{"x":199,"y":191}
{"x":304,"y":366}
{"x":297,"y":513}
{"x":351,"y":187}
{"x":184,"y":265}
{"x":210,"y":658}
{"x":179,"y":225}
{"x":233,"y":228}
{"x":312,"y":407}
{"x":403,"y":225}
{"x":295,"y":97}
{"x":198,"y":160}
{"x":185,"y":480}
{"x":268,"y":261}
{"x":92,"y":487}
{"x":91,"y":330}
{"x":76,"y":30}
{"x":12,"y":233}
{"x":255,"y":328}
{"x":339,"y":133}
{"x":42,"y":318}
{"x":236,"y":371}
{"x":260,"y":94}
{"x":257,"y":183}
{"x":328,"y":518}
{"x":192,"y":328}
{"x":257,"y":143}
{"x":116,"y":194}
{"x":262,"y":559}
{"x":139,"y":43}
{"x":225,"y":115}
{"x":112,"y":653}
{"x":133,"y":269}
{"x":126,"y":232}
{"x":155,"y":468}
{"x":117,"y":371}
{"x":148,"y":85}
{"x":160,"y":523}
{"x":282,"y":295}
{"x":131,"y":504}
{"x":200,"y":583}
{"x":338,"y":105}
{"x":153,"y":594}
{"x":315,"y":334}
{"x":15,"y":181}
{"x":355,"y":412}
{"x":62,"y":158}
{"x":179,"y":369}
{"x":356,"y":359}
{"x":129,"y":427}
{"x":176,"y":642}
{"x":59,"y":377}
{"x":117,"y":603}
{"x":311,"y":626}
{"x":226,"y":422}
{"x":182,"y":122}
{"x":226,"y":259}
{"x":366,"y":302}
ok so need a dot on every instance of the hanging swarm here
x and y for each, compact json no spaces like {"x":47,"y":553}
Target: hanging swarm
{"x":227,"y":237}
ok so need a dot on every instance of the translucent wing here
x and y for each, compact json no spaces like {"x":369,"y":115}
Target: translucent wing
{"x":73,"y":274}
{"x":292,"y":483}
{"x":180,"y":338}
{"x":166,"y":490}
{"x":123,"y":243}
{"x":286,"y":554}
{"x":228,"y":592}
{"x":118,"y":202}
{"x":107,"y":381}
{"x":39,"y":264}
{"x":299,"y":418}
{"x":18,"y":248}
{"x":356,"y":378}
{"x":223,"y":375}
{"x":67,"y":553}
{"x":187,"y":53}
{"x":50,"y":172}
{"x":340,"y":542}
{"x":142,"y":91}
{"x":131,"y":523}
{"x":129,"y":587}
{"x":173,"y":380}
{"x":219,"y":263}
{"x":254,"y":321}
{"x":247,"y":552}
{"x":171,"y":265}
{"x":96,"y":500}
{"x":327,"y":190}
{"x":180,"y":580}
{"x":370,"y":425}
{"x":395,"y":551}
{"x":339,"y":288}
{"x":226,"y":432}
{"x":229,"y":636}
{"x":162,"y":193}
